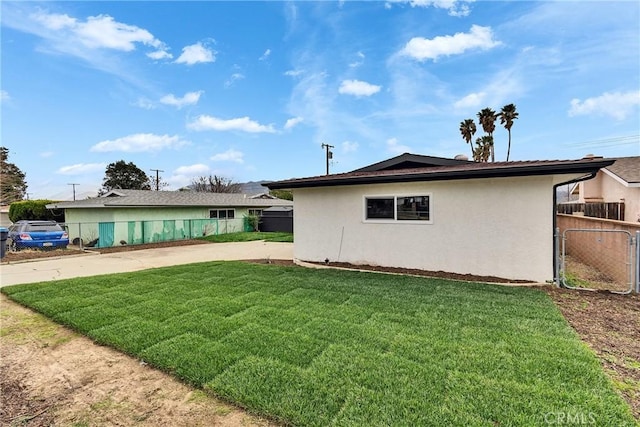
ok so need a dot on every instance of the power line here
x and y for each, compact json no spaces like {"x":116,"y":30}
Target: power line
{"x":607,"y":142}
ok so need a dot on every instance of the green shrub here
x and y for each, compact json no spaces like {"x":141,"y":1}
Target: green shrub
{"x":34,"y":210}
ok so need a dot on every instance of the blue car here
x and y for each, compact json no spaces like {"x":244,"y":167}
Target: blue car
{"x":38,"y":235}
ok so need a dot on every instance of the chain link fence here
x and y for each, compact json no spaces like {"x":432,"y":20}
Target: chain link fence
{"x":119,"y":233}
{"x":598,"y":259}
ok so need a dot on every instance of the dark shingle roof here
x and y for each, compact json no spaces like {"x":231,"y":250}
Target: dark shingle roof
{"x":464,"y":170}
{"x":627,"y":169}
{"x":145,"y":198}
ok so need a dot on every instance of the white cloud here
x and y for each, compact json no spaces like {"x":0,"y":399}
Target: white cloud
{"x":160,"y":54}
{"x":358,"y":88}
{"x":46,"y":154}
{"x":473,"y":100}
{"x":395,"y":147}
{"x":230,"y":155}
{"x":293,"y":122}
{"x":244,"y":124}
{"x":82,"y":168}
{"x":4,"y":96}
{"x":265,"y":55}
{"x":192,"y":170}
{"x":293,"y":73}
{"x":195,"y":54}
{"x":616,"y":105}
{"x":145,"y":104}
{"x":189,"y":98}
{"x":99,"y":32}
{"x":422,"y":49}
{"x":184,"y":175}
{"x":231,"y":80}
{"x":358,"y":62}
{"x":140,"y":142}
{"x":455,"y":7}
{"x":350,"y":147}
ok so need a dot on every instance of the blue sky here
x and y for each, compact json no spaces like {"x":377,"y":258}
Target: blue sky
{"x":250,"y":90}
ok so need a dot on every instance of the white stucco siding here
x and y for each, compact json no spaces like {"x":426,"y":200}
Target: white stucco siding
{"x":491,"y":227}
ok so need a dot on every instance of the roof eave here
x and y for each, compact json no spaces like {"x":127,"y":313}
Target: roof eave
{"x":483,"y":173}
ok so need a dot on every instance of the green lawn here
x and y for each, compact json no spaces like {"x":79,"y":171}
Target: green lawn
{"x":248,"y":236}
{"x":326,"y":347}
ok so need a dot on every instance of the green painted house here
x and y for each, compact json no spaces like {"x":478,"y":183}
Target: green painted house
{"x":127,"y":217}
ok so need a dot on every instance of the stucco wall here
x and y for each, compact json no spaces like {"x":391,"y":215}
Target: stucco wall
{"x":607,"y":189}
{"x":493,"y":227}
{"x":84,"y":223}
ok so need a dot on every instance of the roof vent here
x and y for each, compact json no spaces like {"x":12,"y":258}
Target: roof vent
{"x":591,"y":157}
{"x":461,"y":157}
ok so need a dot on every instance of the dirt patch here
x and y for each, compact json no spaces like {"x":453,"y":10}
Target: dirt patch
{"x":610,"y":325}
{"x":52,"y":376}
{"x":417,"y":272}
{"x":34,"y":254}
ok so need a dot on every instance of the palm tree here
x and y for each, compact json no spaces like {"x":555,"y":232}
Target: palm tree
{"x":487,"y":118}
{"x":484,"y":147}
{"x":468,"y":129}
{"x":507,"y":115}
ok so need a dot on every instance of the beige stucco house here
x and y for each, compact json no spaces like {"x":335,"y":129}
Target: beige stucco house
{"x":429,"y":213}
{"x":617,"y":183}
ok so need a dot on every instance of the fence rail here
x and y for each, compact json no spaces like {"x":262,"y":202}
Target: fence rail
{"x":603,"y":210}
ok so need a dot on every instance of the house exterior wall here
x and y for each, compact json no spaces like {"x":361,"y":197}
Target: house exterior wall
{"x":605,"y":188}
{"x":483,"y":227}
{"x":159,"y":223}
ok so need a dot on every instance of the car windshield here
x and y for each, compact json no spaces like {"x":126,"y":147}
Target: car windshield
{"x":44,"y":226}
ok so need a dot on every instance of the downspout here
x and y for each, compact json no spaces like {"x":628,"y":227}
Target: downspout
{"x":555,"y":219}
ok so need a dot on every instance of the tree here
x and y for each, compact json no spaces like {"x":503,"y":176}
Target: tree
{"x":487,"y":118}
{"x":125,"y":176}
{"x":484,"y":147}
{"x":13,"y":186}
{"x":215,"y":184}
{"x":468,"y":129}
{"x":507,"y":115}
{"x":282,"y":194}
{"x":158,"y":184}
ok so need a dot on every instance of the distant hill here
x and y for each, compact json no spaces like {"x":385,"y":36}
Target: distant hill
{"x":254,"y":187}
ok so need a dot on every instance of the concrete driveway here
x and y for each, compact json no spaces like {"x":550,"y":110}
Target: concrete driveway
{"x":67,"y":267}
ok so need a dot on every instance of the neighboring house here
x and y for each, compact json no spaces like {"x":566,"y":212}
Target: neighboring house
{"x":429,"y":213}
{"x":4,"y":216}
{"x":617,"y":183}
{"x":141,"y":216}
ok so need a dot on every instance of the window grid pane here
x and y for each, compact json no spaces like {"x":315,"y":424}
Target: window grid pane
{"x":413,"y":208}
{"x":380,"y":208}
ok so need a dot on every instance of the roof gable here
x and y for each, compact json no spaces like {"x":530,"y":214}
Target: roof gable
{"x":410,"y":161}
{"x":626,"y":169}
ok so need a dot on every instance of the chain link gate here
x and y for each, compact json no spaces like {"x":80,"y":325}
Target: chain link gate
{"x":598,"y":259}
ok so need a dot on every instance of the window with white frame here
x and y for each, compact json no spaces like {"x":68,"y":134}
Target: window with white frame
{"x":398,"y":208}
{"x":222,"y":213}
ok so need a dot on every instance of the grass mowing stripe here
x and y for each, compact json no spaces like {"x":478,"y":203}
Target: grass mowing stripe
{"x":322,"y":347}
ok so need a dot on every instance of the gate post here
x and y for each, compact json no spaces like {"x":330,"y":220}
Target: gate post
{"x":556,"y":273}
{"x":637,"y":262}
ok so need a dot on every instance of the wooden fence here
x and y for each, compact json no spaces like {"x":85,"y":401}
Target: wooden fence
{"x":603,"y":210}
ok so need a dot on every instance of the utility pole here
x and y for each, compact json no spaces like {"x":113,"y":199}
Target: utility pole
{"x":157,"y":171}
{"x":74,"y":190}
{"x":329,"y":154}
